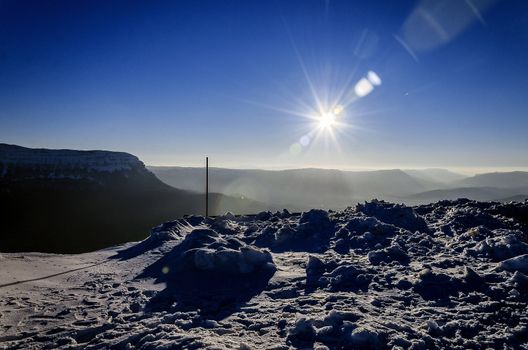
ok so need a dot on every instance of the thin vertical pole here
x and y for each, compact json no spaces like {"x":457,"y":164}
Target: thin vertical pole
{"x":206,"y":187}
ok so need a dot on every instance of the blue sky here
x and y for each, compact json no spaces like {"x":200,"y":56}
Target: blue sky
{"x":174,"y":81}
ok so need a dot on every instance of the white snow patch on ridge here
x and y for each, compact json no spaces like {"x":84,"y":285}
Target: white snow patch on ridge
{"x":12,"y":157}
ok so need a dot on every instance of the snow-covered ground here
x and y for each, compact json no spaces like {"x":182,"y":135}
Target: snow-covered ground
{"x":445,"y":275}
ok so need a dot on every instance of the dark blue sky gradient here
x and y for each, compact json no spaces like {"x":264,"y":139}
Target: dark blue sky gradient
{"x":173,"y":81}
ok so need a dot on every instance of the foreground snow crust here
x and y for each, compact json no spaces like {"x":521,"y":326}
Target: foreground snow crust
{"x":447,"y":275}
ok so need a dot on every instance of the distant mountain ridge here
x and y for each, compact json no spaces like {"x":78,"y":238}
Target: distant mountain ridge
{"x":301,"y":189}
{"x":435,"y":175}
{"x":476,"y":193}
{"x":510,"y":179}
{"x":297,"y":188}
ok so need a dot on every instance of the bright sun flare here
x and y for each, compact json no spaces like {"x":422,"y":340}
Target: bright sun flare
{"x":328,"y":119}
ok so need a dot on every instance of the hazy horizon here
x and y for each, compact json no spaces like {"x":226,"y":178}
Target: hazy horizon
{"x":257,"y":163}
{"x":460,"y":170}
{"x":200,"y":162}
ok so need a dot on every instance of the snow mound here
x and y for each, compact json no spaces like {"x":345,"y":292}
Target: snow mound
{"x":455,"y":217}
{"x":361,"y":224}
{"x":389,"y":254}
{"x":365,"y":233}
{"x":315,"y":218}
{"x":517,"y":264}
{"x":516,"y":211}
{"x":172,"y":230}
{"x":210,"y":272}
{"x":312,"y":232}
{"x":336,"y":276}
{"x":227,"y":256}
{"x":206,"y":250}
{"x":435,"y":285}
{"x":500,"y":245}
{"x":397,"y":214}
{"x":337,"y":330}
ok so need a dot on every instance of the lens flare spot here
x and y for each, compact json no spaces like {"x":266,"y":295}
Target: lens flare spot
{"x":295,"y":149}
{"x":305,"y":140}
{"x":373,"y":78}
{"x":338,"y":110}
{"x":165,"y":270}
{"x":363,"y":87}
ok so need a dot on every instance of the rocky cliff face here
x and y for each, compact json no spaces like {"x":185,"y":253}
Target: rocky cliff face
{"x":20,"y":163}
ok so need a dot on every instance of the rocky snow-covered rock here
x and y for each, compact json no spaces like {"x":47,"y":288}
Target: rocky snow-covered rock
{"x":449,"y":275}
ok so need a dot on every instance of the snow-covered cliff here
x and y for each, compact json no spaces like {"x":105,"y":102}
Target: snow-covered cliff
{"x":21,"y":162}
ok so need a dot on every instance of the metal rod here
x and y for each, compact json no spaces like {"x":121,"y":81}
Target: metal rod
{"x":206,"y":187}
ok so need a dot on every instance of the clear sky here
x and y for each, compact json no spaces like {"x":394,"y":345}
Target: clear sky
{"x":250,"y":83}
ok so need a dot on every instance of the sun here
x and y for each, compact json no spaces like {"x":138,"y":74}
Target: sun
{"x":328,"y":119}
